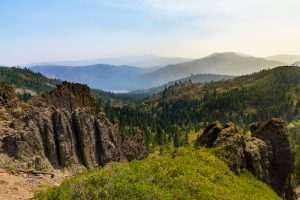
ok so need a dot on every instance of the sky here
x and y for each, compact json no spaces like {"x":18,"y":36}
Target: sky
{"x":57,"y":30}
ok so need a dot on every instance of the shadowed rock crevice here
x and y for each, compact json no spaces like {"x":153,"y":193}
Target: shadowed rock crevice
{"x":79,"y":150}
{"x":49,"y":140}
{"x":99,"y":149}
{"x":267,"y":154}
{"x":57,"y":152}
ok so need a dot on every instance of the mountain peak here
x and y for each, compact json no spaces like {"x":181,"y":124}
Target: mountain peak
{"x":229,"y":53}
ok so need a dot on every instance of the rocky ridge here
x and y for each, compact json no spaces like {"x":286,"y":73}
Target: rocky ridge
{"x":267,"y":153}
{"x":62,"y":129}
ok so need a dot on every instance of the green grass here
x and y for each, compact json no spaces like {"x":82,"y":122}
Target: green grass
{"x":186,"y":174}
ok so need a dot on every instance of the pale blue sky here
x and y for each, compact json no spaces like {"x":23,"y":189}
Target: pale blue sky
{"x":53,"y":30}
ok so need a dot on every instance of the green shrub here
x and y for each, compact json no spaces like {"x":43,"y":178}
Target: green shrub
{"x":186,"y":174}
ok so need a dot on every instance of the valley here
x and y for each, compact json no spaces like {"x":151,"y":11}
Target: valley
{"x":64,"y":128}
{"x":149,"y":100}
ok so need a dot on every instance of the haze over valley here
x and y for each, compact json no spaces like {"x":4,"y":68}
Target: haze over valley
{"x":128,"y":78}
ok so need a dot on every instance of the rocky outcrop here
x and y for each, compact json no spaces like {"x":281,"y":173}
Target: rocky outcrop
{"x":133,"y":147}
{"x":281,"y":157}
{"x":65,"y":131}
{"x":8,"y":97}
{"x":68,"y":96}
{"x":267,"y":153}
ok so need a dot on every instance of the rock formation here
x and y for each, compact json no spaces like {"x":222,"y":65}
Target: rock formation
{"x":61,"y":129}
{"x":267,"y":153}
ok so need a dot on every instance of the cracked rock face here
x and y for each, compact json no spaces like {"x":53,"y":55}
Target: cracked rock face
{"x":267,"y":154}
{"x":61,"y":129}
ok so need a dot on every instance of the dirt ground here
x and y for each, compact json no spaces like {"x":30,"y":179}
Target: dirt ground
{"x":22,"y":185}
{"x":298,"y":192}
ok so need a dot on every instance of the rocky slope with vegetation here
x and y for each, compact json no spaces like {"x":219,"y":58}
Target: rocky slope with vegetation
{"x":219,"y":171}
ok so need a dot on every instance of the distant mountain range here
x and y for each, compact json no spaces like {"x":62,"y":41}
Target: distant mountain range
{"x":218,"y":63}
{"x":140,"y":61}
{"x":100,"y":76}
{"x":285,"y":58}
{"x":297,"y":63}
{"x":111,"y":77}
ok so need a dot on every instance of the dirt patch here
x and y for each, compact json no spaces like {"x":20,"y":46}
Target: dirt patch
{"x":22,"y":185}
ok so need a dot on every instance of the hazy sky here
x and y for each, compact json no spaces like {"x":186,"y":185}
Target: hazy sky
{"x":53,"y":30}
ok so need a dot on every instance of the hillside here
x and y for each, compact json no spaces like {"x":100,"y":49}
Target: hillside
{"x":186,"y":174}
{"x":188,"y":106}
{"x":26,"y":79}
{"x":265,"y":79}
{"x":225,"y":63}
{"x":198,"y":78}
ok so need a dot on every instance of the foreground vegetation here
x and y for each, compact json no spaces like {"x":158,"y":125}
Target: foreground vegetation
{"x":185,"y":173}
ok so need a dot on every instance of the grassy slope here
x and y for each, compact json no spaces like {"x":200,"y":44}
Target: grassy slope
{"x":187,"y":174}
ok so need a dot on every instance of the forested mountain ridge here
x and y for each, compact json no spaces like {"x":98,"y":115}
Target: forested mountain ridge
{"x":265,"y":79}
{"x":195,"y":78}
{"x":186,"y":106}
